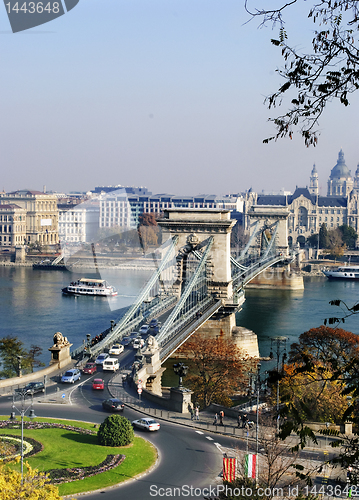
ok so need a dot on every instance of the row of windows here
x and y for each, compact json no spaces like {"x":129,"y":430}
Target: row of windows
{"x":71,"y":231}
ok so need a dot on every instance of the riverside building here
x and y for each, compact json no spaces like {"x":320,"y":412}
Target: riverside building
{"x":41,"y":215}
{"x":308,"y":210}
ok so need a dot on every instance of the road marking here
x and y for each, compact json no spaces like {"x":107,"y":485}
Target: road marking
{"x":200,"y":432}
{"x":209,"y":438}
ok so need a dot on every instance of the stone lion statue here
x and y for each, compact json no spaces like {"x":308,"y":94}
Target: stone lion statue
{"x":60,"y":340}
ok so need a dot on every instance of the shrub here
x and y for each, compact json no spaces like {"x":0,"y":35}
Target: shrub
{"x":115,"y":431}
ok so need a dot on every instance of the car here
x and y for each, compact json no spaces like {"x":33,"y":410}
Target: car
{"x":32,"y":388}
{"x":116,"y":349}
{"x":71,"y":376}
{"x":153,"y":322}
{"x":111,"y":364}
{"x":155,"y":330}
{"x":98,"y":384}
{"x":144,"y":329}
{"x":138,"y":343}
{"x":147,"y":424}
{"x":126,"y":341}
{"x":113,"y":404}
{"x":101,"y":358}
{"x":89,"y":368}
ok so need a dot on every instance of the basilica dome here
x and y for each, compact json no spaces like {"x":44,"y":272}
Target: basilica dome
{"x":340,"y":170}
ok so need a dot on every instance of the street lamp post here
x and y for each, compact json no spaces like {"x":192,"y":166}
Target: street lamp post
{"x":278,"y":345}
{"x":88,"y":351}
{"x":181,"y":370}
{"x":22,"y":411}
{"x":258,"y":387}
{"x":19,"y":369}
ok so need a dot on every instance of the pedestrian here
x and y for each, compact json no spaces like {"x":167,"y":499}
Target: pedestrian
{"x":197,"y":413}
{"x":244,"y":421}
{"x":221,"y":415}
{"x":215,"y":421}
{"x":239,"y":420}
{"x":190,"y":409}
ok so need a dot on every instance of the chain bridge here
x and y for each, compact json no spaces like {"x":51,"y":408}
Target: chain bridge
{"x":198,"y":285}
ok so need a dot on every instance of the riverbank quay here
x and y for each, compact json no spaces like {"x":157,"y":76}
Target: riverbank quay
{"x":101,"y":261}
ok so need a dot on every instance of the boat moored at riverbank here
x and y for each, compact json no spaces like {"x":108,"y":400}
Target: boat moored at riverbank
{"x":90,"y":286}
{"x":342,"y":273}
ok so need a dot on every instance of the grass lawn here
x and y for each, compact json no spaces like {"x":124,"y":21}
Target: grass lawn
{"x":65,"y":449}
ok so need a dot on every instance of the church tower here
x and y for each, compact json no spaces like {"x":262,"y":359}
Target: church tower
{"x":314,"y":182}
{"x":340,"y":182}
{"x":356,"y":181}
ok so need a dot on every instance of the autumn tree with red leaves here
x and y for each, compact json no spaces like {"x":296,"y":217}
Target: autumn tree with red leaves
{"x":333,"y":348}
{"x":320,"y":374}
{"x":220,"y":369}
{"x":148,"y":230}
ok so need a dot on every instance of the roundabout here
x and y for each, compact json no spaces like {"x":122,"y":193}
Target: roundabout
{"x":71,"y":456}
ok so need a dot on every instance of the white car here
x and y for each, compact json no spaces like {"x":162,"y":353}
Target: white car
{"x":138,"y":343}
{"x":116,"y":349}
{"x":101,"y":358}
{"x":71,"y":376}
{"x":147,"y":424}
{"x":144,"y":329}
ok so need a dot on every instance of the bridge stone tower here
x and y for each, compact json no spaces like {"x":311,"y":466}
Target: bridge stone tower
{"x":193,"y":228}
{"x":272,"y":220}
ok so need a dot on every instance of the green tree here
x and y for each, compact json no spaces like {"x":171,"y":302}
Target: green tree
{"x":327,"y":72}
{"x":335,"y":243}
{"x":115,"y":430}
{"x":12,"y":352}
{"x":312,"y":240}
{"x":10,"y":349}
{"x":349,"y":236}
{"x":323,"y":237}
{"x":32,"y":357}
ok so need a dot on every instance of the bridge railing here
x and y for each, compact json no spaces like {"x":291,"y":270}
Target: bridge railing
{"x":181,"y":331}
{"x":260,"y":266}
{"x":156,"y":310}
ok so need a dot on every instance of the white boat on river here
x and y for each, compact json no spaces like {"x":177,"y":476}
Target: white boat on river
{"x":90,"y":286}
{"x":342,"y":273}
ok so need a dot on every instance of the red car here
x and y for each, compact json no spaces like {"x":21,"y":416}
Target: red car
{"x":98,"y":384}
{"x":90,"y":368}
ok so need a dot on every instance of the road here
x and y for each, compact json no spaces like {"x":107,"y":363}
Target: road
{"x":187,"y":457}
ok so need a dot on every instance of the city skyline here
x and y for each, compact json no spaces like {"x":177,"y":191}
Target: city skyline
{"x":164,"y":96}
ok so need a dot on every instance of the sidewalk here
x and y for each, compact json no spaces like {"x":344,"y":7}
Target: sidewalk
{"x":131,"y":399}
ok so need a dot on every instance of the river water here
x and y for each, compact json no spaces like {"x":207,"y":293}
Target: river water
{"x":33,"y":308}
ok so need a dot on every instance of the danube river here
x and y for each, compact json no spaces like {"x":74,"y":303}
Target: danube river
{"x":33,"y":308}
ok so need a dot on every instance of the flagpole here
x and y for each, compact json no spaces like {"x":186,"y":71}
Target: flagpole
{"x":257,"y":420}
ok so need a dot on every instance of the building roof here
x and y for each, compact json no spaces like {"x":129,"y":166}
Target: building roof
{"x":10,"y":206}
{"x":331,"y":201}
{"x":269,"y":199}
{"x":302,"y":192}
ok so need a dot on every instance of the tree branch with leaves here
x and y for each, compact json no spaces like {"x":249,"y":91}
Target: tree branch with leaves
{"x":313,"y":79}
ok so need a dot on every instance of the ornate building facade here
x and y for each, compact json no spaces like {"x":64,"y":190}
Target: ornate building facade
{"x":41,"y":215}
{"x":308,"y":210}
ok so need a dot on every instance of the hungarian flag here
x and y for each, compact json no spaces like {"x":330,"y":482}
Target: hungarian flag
{"x":229,"y":469}
{"x":250,"y":465}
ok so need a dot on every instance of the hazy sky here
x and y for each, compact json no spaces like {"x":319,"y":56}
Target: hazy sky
{"x":156,"y":93}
